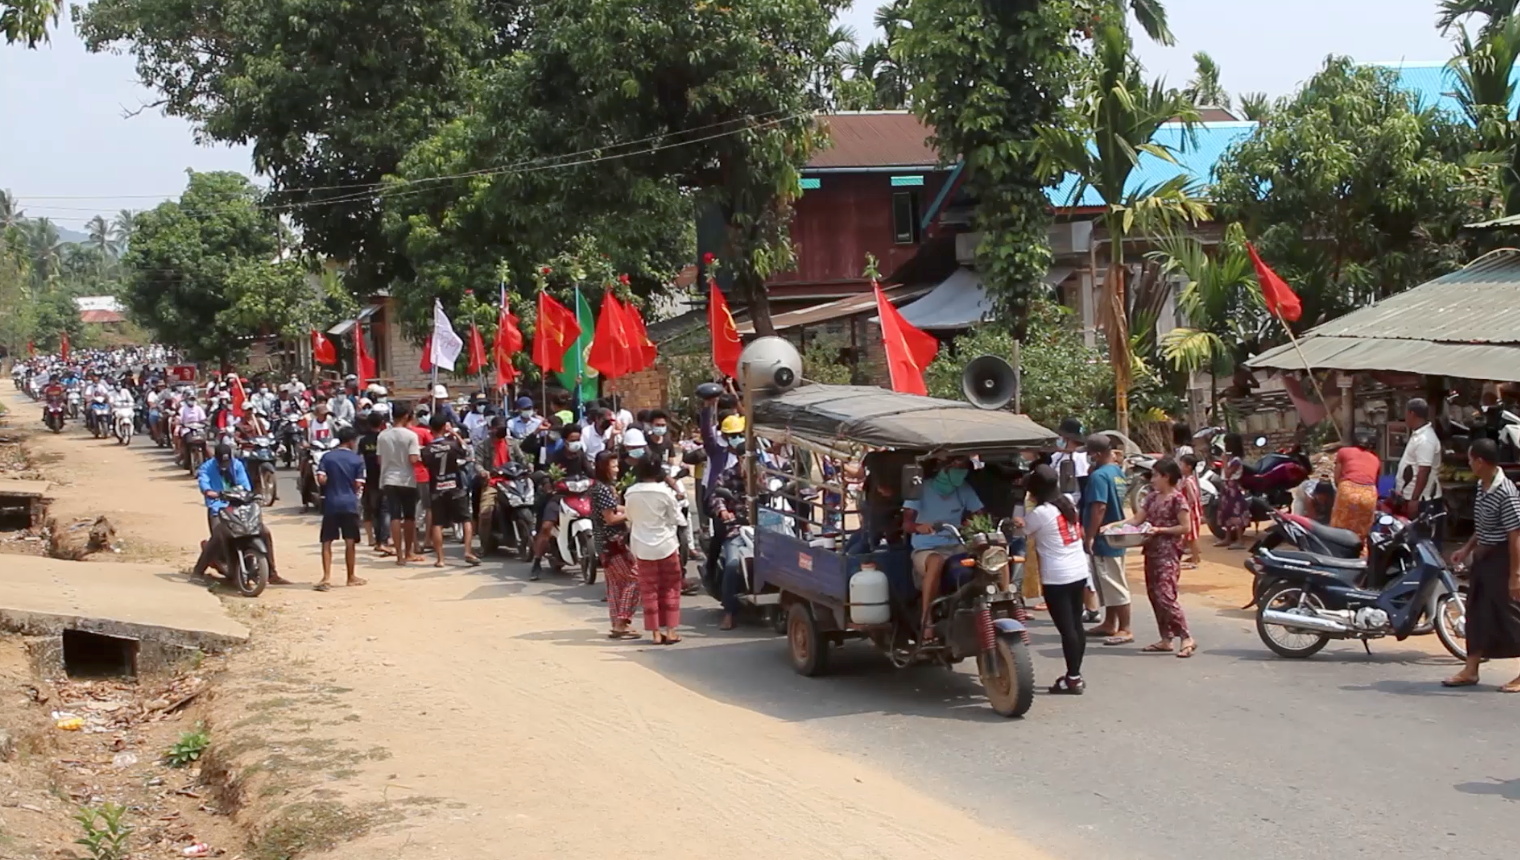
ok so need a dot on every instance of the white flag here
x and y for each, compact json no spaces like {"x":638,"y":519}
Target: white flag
{"x":446,"y":344}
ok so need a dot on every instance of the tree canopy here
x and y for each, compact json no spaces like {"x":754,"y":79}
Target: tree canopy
{"x":1354,"y":190}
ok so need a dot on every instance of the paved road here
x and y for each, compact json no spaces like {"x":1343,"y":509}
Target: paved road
{"x":1235,"y":752}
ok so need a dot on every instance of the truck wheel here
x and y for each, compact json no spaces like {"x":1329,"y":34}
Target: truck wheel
{"x":1008,"y":675}
{"x":810,"y":653}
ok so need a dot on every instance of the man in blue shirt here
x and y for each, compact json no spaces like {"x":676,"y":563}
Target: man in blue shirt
{"x":1103,"y":503}
{"x":215,"y":477}
{"x":341,"y":477}
{"x":946,"y":500}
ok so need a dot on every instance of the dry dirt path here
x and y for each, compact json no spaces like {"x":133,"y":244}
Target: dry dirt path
{"x":494,"y":718}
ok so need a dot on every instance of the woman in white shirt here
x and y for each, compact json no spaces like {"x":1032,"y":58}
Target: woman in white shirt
{"x":654,"y":516}
{"x":1055,"y":529}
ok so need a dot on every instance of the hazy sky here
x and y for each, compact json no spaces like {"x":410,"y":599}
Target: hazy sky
{"x":68,"y":152}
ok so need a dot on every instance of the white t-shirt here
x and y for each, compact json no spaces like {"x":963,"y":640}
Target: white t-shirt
{"x":1059,"y":544}
{"x":1424,"y":449}
{"x":320,"y":431}
{"x":653,"y":517}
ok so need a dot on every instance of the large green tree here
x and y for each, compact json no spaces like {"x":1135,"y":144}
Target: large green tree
{"x":186,"y":258}
{"x":330,"y":93}
{"x":1485,"y":71}
{"x":27,"y":21}
{"x":1353,"y":191}
{"x":985,"y":77}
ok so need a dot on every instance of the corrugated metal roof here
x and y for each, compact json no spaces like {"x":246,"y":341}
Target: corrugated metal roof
{"x":347,"y":326}
{"x":1465,"y":360}
{"x":875,"y":139}
{"x":1435,"y":83}
{"x":960,"y":301}
{"x":101,"y":317}
{"x":1196,"y":158}
{"x":1463,"y":324}
{"x":1478,"y":304}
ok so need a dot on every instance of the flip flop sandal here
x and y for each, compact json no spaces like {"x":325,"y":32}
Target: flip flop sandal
{"x":1509,"y":688}
{"x":1119,"y":640}
{"x":321,"y":586}
{"x":1097,"y":633}
{"x":472,"y":562}
{"x":1187,"y":651}
{"x":1157,"y":649}
{"x":1453,"y":682}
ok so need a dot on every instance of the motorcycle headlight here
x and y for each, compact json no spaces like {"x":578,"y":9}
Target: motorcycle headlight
{"x":993,"y":558}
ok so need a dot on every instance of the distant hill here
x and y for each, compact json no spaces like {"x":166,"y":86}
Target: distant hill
{"x":72,"y":236}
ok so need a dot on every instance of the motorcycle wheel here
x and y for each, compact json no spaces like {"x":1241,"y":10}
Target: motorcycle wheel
{"x":588,"y":558}
{"x":485,"y":524}
{"x":1138,"y":492}
{"x":1211,"y":514}
{"x":1008,"y":676}
{"x":1451,"y":624}
{"x":1285,"y":642}
{"x":525,"y":534}
{"x":267,"y":490}
{"x":252,"y":574}
{"x":809,"y":651}
{"x":194,"y":458}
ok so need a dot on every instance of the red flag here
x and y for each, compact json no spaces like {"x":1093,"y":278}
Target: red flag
{"x":640,"y":347}
{"x":509,"y":340}
{"x":1281,"y":301}
{"x":909,"y":350}
{"x":726,"y":345}
{"x":63,"y":346}
{"x":239,"y":396}
{"x":364,"y":363}
{"x":610,"y":354}
{"x":31,"y":349}
{"x":322,"y":349}
{"x":556,"y":331}
{"x":426,"y":362}
{"x":477,"y":345}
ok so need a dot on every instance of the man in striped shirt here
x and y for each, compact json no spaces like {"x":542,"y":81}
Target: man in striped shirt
{"x":1493,"y":603}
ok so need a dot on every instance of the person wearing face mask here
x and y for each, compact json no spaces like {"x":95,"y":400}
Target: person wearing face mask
{"x":570,"y":456}
{"x":635,"y":447}
{"x":525,"y":422}
{"x":476,"y":421}
{"x":598,"y":432}
{"x":657,"y":431}
{"x":946,"y":500}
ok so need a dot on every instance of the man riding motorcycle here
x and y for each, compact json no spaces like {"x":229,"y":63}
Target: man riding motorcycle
{"x":216,"y":476}
{"x":726,"y":509}
{"x":569,"y":456}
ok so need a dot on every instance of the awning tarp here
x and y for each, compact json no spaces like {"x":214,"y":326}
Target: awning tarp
{"x":878,"y":418}
{"x":848,"y":306}
{"x":1465,"y":360}
{"x":960,"y":301}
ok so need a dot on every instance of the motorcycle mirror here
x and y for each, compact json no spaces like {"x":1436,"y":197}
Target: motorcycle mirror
{"x":1261,"y":441}
{"x":912,"y":481}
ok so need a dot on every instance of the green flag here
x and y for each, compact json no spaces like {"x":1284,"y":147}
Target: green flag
{"x":579,"y":379}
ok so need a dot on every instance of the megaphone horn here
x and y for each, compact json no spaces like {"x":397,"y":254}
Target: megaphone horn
{"x":989,"y":382}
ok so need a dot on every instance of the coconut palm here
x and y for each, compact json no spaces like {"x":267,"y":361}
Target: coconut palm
{"x":1452,"y":11}
{"x":100,"y":236}
{"x":1149,"y":14}
{"x":1485,"y":89}
{"x":10,"y":210}
{"x":45,"y":249}
{"x":1117,"y":118}
{"x":1204,"y":89}
{"x":121,"y":229}
{"x":1255,"y":106}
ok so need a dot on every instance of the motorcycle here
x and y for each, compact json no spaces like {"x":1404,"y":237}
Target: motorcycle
{"x":74,"y":402}
{"x":248,"y":567}
{"x":194,"y":441}
{"x":311,"y":491}
{"x":258,"y":461}
{"x":1404,"y":589}
{"x":1268,"y":483}
{"x":508,"y":519}
{"x":53,"y":415}
{"x":98,"y":419}
{"x":124,"y":424}
{"x":573,"y":542}
{"x":287,"y":436}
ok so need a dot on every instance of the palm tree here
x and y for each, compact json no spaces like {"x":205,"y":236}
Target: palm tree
{"x":121,"y":229}
{"x":10,"y":210}
{"x":45,"y":248}
{"x":100,"y":236}
{"x":1117,"y":118}
{"x":1204,"y":89}
{"x":1218,"y":303}
{"x":1255,"y":106}
{"x":1495,"y":11}
{"x":1485,"y":90}
{"x":1149,"y":14}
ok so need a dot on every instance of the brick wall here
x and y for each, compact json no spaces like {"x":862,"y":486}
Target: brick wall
{"x":647,"y":389}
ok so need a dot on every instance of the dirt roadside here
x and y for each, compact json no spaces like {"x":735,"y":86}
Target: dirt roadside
{"x":444,"y":714}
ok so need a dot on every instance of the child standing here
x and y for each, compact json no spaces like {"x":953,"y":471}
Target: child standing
{"x":1194,"y":497}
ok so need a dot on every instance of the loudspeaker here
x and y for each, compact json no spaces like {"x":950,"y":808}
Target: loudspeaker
{"x":989,"y":382}
{"x":771,"y":365}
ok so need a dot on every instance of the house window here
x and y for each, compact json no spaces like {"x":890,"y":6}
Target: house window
{"x":905,"y":217}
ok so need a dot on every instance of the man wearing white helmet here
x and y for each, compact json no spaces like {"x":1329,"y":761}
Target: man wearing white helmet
{"x":441,"y":405}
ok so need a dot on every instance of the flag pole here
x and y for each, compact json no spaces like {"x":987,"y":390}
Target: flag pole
{"x":1308,"y":370}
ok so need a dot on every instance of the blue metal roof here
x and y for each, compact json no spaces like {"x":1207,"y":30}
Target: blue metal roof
{"x":1196,"y":157}
{"x":1435,"y":83}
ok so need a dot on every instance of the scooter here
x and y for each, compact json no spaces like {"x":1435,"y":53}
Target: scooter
{"x":74,"y":403}
{"x":98,"y":419}
{"x":573,"y":541}
{"x":509,"y":519}
{"x":248,"y":567}
{"x":1405,"y":589}
{"x":258,"y":460}
{"x":125,"y":424}
{"x":311,"y":492}
{"x":53,"y":415}
{"x":194,"y":440}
